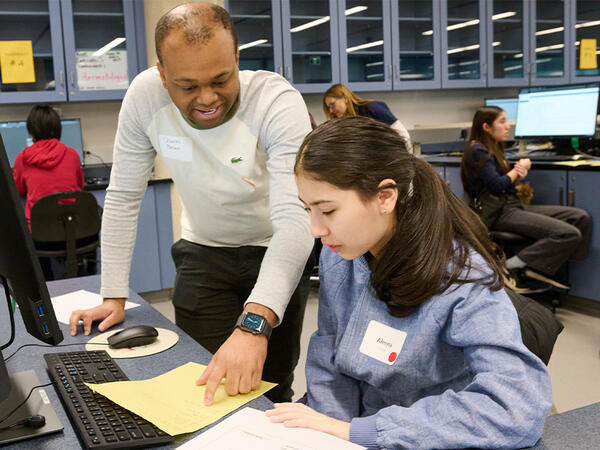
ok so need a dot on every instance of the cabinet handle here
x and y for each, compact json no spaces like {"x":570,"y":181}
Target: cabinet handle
{"x":280,"y":70}
{"x":62,"y":78}
{"x":397,"y":69}
{"x":485,"y":68}
{"x":287,"y":72}
{"x":571,"y":197}
{"x":72,"y":79}
{"x":390,"y":74}
{"x":561,"y":195}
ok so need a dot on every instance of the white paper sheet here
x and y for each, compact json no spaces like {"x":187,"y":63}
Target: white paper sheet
{"x":65,"y":304}
{"x":250,"y":429}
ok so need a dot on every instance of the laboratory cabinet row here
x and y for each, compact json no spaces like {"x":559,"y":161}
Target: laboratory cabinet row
{"x":559,"y":186}
{"x":70,"y":50}
{"x":420,"y":44}
{"x":152,"y":267}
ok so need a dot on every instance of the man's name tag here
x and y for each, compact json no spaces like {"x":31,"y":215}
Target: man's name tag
{"x":176,"y":147}
{"x":382,"y":342}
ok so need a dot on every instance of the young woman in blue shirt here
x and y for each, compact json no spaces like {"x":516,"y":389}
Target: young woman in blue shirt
{"x":418,"y":345}
{"x":558,"y":233}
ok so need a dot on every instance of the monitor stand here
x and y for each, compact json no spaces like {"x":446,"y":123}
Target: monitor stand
{"x":38,"y":403}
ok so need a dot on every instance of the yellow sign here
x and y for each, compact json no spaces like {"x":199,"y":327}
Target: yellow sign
{"x":173,"y":402}
{"x":16,"y":62}
{"x":587,"y":54}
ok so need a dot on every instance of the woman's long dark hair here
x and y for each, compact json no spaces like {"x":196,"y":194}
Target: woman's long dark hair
{"x":434,"y":231}
{"x":486,"y":114}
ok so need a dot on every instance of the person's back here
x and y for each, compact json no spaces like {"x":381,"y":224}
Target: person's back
{"x":48,"y":165}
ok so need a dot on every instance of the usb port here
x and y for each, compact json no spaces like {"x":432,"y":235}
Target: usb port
{"x":46,"y":329}
{"x":40,"y":310}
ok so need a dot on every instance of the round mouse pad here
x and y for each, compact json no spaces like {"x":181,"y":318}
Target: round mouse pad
{"x":165,"y":340}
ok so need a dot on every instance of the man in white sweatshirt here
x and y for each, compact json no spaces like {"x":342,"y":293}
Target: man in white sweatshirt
{"x":229,"y":140}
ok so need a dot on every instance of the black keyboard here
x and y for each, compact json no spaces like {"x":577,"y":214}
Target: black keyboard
{"x":549,"y":157}
{"x":99,"y":422}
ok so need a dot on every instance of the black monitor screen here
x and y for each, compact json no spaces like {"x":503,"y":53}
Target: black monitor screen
{"x":565,"y":111}
{"x":16,"y":137}
{"x":20,"y":266}
{"x":507,"y":104}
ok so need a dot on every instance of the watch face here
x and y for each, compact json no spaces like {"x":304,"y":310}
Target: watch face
{"x":252,"y":321}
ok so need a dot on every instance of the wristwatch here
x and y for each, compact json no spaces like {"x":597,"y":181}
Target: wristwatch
{"x":254,"y":323}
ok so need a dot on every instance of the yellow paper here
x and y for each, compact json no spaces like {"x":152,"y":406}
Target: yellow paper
{"x":16,"y":62}
{"x":587,"y":54}
{"x":173,"y":402}
{"x":573,"y":163}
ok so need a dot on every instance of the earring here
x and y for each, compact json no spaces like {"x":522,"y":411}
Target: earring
{"x":384,"y":211}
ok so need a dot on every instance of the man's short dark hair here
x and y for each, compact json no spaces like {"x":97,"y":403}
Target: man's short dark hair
{"x":43,"y":123}
{"x":198,"y":22}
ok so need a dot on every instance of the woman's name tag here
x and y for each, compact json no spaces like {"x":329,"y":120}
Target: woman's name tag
{"x":382,"y":342}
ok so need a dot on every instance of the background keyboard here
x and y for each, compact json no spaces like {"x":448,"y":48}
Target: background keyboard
{"x":100,"y":423}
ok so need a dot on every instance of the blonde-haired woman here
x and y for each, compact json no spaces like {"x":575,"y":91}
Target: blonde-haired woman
{"x":339,"y":101}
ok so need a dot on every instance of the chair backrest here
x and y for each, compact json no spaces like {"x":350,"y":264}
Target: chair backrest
{"x":54,"y":214}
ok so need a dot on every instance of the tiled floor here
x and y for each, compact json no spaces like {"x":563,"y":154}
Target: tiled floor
{"x":574,"y":366}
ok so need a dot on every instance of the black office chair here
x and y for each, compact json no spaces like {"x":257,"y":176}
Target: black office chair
{"x":66,"y":226}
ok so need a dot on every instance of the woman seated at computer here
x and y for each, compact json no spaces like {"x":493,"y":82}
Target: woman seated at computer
{"x":559,"y":233}
{"x":417,"y":344}
{"x":48,"y":165}
{"x":339,"y":101}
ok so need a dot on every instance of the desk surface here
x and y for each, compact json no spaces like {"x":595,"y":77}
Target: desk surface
{"x":136,"y":368}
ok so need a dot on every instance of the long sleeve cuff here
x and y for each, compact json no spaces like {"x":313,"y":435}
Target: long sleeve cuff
{"x":363,"y":431}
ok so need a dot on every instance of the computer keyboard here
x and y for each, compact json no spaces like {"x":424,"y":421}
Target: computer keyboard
{"x":100,"y":423}
{"x":549,"y":157}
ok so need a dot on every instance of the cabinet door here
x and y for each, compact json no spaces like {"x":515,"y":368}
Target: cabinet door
{"x":454,"y":181}
{"x":145,"y":272}
{"x":463,"y":42}
{"x":38,"y":22}
{"x":586,"y":26}
{"x":258,"y":25}
{"x":583,"y":275}
{"x":549,"y":186}
{"x":549,"y":36}
{"x":416,"y":44}
{"x":100,"y":48}
{"x":508,"y":42}
{"x":365,"y":44}
{"x":310,"y":44}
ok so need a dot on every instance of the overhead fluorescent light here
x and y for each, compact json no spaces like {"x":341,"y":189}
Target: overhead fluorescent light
{"x":468,"y":23}
{"x":508,"y":69}
{"x":427,"y":33}
{"x":375,"y":75}
{"x":549,"y":31}
{"x":355,"y":10}
{"x":107,"y":47}
{"x":314,"y":23}
{"x":594,"y":23}
{"x":504,"y":15}
{"x":252,"y":44}
{"x":378,"y":63}
{"x":549,"y":47}
{"x":519,"y":55}
{"x":362,"y":46}
{"x":463,"y":49}
{"x":496,"y":44}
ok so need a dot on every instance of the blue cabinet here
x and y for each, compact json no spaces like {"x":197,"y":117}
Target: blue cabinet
{"x":258,"y":25}
{"x":585,"y":25}
{"x":82,"y":49}
{"x":583,"y":275}
{"x":452,"y":177}
{"x":152,"y":268}
{"x":549,"y":186}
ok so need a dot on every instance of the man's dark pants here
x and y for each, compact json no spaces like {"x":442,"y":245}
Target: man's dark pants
{"x":211,"y":286}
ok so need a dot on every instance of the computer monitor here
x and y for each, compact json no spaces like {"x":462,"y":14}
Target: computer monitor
{"x":20,"y":266}
{"x":16,"y":137}
{"x":507,"y":104}
{"x":557,"y":112}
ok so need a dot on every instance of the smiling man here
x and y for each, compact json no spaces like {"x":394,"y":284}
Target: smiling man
{"x":229,"y":140}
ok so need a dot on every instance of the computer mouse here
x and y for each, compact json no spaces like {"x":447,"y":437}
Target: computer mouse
{"x":133,"y":337}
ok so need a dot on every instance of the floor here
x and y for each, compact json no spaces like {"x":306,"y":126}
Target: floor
{"x":574,"y":366}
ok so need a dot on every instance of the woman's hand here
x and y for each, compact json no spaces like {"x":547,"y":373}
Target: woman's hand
{"x":522,"y":171}
{"x":297,"y":415}
{"x":525,"y":163}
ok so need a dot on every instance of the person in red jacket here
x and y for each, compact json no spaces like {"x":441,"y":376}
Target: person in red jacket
{"x":48,"y":165}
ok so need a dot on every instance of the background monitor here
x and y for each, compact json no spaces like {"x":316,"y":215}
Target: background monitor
{"x":507,"y":104}
{"x":564,"y":111}
{"x":16,"y":137}
{"x":20,"y":266}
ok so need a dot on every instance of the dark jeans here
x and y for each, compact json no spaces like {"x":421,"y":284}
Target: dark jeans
{"x":561,"y":233}
{"x":211,"y":286}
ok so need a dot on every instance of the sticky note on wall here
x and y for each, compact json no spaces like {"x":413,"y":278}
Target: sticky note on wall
{"x":16,"y":62}
{"x":587,"y":54}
